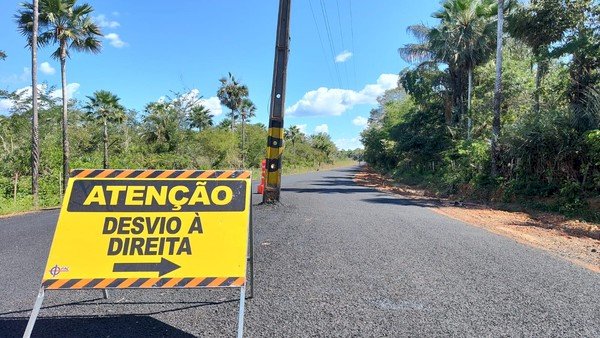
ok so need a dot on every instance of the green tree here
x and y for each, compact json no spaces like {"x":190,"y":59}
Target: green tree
{"x":582,"y":43}
{"x":470,"y":26}
{"x":462,"y":40}
{"x":231,"y":93}
{"x":161,"y":126}
{"x":293,"y":134}
{"x":539,"y":24}
{"x":497,"y":90}
{"x":200,"y":118}
{"x":247,"y":111}
{"x":33,"y":44}
{"x":2,"y":55}
{"x":105,"y":106}
{"x":324,"y":146}
{"x":69,"y":25}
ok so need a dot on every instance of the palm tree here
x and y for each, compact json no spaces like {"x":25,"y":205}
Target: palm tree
{"x":247,"y":111}
{"x":104,"y":106}
{"x":3,"y":54}
{"x":497,"y":90}
{"x":462,"y":40}
{"x":433,"y":48}
{"x":32,"y":42}
{"x":70,"y":26}
{"x":231,"y":93}
{"x":292,"y":134}
{"x":200,"y":118}
{"x":161,"y":126}
{"x":470,"y":25}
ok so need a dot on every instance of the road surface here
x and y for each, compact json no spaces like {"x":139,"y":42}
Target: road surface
{"x":334,"y":259}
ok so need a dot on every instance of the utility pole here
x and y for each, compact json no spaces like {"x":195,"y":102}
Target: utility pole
{"x":275,"y":138}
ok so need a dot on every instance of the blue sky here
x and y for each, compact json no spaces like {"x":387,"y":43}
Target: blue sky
{"x":152,"y":49}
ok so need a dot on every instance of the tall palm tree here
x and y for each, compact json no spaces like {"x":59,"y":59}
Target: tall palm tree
{"x":433,"y":47}
{"x":2,"y":55}
{"x":462,"y":40}
{"x":231,"y":93}
{"x":32,"y":42}
{"x":69,"y":25}
{"x":200,"y":118}
{"x":105,"y":106}
{"x":247,"y":111}
{"x":470,"y":26}
{"x":497,"y":90}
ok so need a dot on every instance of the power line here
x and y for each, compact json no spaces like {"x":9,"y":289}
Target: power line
{"x":352,"y":41}
{"x":330,"y":39}
{"x":321,"y":41}
{"x":337,"y":3}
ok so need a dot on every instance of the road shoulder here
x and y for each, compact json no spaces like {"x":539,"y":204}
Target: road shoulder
{"x":545,"y":231}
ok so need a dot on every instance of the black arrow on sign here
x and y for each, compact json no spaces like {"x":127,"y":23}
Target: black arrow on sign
{"x":164,"y":267}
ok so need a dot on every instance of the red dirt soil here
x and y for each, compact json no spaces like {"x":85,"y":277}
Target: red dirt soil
{"x":576,"y":241}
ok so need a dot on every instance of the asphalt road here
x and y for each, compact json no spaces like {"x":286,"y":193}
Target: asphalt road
{"x":334,"y":259}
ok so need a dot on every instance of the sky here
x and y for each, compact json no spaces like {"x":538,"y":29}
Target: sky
{"x":343,"y":54}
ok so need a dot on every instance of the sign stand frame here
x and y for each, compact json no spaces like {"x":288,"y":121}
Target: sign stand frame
{"x":249,"y":281}
{"x":250,"y":274}
{"x":37,"y":306}
{"x":34,"y":313}
{"x":41,"y":294}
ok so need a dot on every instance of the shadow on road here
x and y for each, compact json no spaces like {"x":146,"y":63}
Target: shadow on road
{"x":342,"y":182}
{"x":326,"y":191}
{"x":188,"y":305}
{"x":136,"y":325}
{"x":405,"y":201}
{"x":109,"y":326}
{"x":338,"y":184}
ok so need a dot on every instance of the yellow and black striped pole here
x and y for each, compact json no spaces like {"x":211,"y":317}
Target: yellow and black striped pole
{"x":275,"y":138}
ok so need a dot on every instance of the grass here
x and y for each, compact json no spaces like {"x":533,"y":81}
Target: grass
{"x":22,"y":204}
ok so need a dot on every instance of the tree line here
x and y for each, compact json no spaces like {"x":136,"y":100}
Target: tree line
{"x":502,"y":102}
{"x":43,"y":137}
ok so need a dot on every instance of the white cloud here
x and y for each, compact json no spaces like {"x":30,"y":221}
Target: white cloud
{"x":322,"y":128}
{"x":104,"y":22}
{"x":302,"y":128}
{"x":71,"y":89}
{"x":348,"y":143}
{"x":24,"y":95}
{"x":343,"y":56}
{"x":5,"y":105}
{"x":360,"y":121}
{"x":47,"y":69}
{"x":334,"y":102}
{"x":115,"y":40}
{"x":193,"y":98}
{"x":213,"y":104}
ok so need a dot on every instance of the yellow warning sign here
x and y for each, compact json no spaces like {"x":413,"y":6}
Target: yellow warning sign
{"x":151,"y":228}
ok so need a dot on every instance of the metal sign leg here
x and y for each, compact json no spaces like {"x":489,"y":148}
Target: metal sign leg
{"x":240,"y":332}
{"x":251,"y":256}
{"x":105,"y":293}
{"x":34,"y":313}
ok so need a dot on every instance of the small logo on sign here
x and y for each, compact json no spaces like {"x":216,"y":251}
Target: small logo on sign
{"x":55,"y":270}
